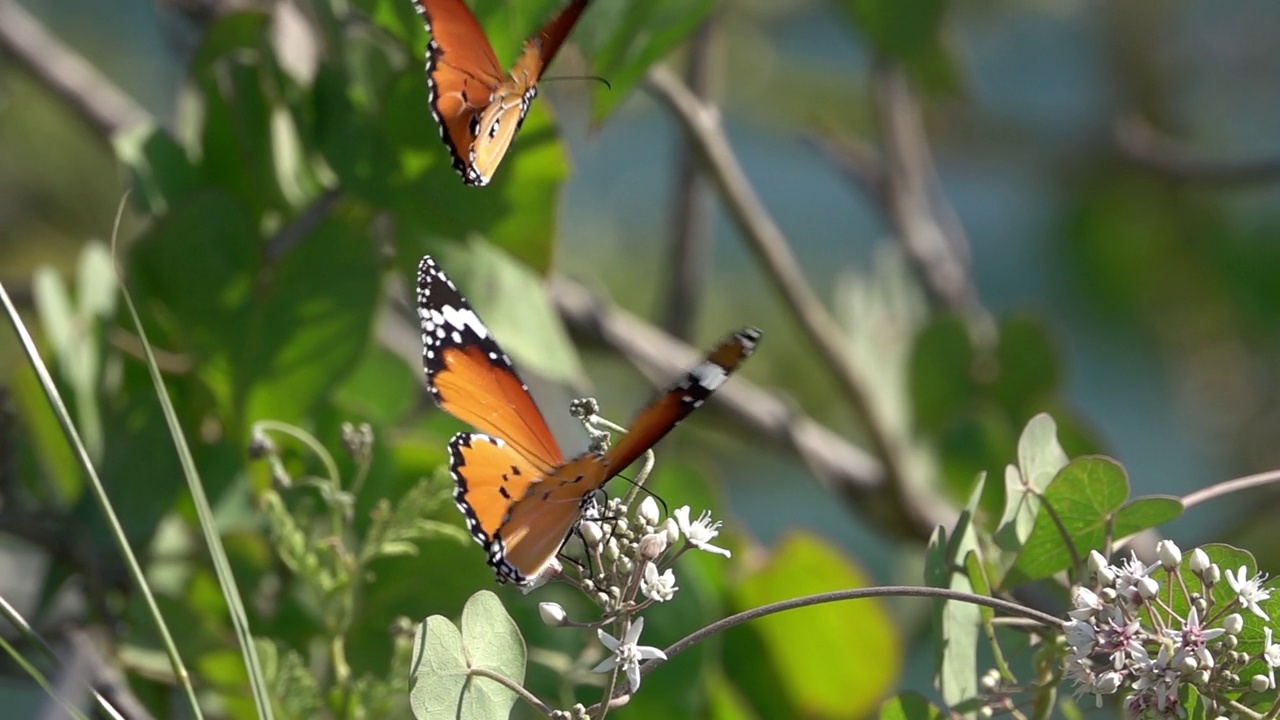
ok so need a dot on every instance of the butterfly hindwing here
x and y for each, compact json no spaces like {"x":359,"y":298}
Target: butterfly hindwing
{"x":471,"y":378}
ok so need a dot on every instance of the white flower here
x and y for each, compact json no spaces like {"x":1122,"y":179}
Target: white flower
{"x":658,"y":587}
{"x":1081,"y":638}
{"x":1086,"y":603}
{"x":700,"y":533}
{"x":627,"y":654}
{"x":1192,"y":640}
{"x":1270,"y":655}
{"x":1169,"y":554}
{"x":648,"y":511}
{"x":1250,"y":591}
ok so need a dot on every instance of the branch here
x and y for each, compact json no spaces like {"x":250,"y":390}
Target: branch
{"x":923,"y":221}
{"x":1153,"y":151}
{"x":702,"y":124}
{"x":105,"y":106}
{"x":693,"y":231}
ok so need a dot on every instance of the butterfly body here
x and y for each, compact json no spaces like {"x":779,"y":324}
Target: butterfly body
{"x":478,"y":107}
{"x":519,"y":495}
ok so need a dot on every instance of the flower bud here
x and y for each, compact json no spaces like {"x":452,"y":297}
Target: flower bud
{"x":652,"y":546}
{"x":1199,"y":561}
{"x":591,"y":532}
{"x":1188,"y":665}
{"x":1148,"y":588}
{"x":1212,"y":575}
{"x":673,"y":530}
{"x":1096,"y":561}
{"x":648,"y":511}
{"x":552,"y":614}
{"x":989,"y":682}
{"x":1260,"y":683}
{"x":1108,"y":682}
{"x":1169,"y":553}
{"x":1233,"y":623}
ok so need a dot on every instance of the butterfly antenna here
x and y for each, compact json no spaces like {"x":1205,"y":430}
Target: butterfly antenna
{"x":579,"y":77}
{"x":650,"y":493}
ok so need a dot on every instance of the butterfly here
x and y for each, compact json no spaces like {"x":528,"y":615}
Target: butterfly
{"x":519,"y":495}
{"x":478,"y":107}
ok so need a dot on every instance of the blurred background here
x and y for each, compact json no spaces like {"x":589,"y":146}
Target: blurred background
{"x":1004,"y":207}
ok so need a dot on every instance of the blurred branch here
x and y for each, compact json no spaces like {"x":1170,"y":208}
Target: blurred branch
{"x":693,"y":228}
{"x":703,"y":125}
{"x":922,"y":219}
{"x":105,"y":106}
{"x":1154,"y":151}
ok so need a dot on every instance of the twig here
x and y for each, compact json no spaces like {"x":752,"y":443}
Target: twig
{"x":922,"y":220}
{"x":1212,"y":492}
{"x":109,"y":110}
{"x":703,"y":125}
{"x":1147,"y":147}
{"x":693,"y":228}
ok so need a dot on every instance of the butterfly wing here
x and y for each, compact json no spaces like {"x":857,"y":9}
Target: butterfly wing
{"x":658,"y":417}
{"x":541,"y":49}
{"x":463,"y":75}
{"x":471,"y":378}
{"x":533,"y":529}
{"x":489,"y":476}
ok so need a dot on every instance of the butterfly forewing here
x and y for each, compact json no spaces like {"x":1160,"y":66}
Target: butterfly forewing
{"x":471,"y":378}
{"x":682,"y":398}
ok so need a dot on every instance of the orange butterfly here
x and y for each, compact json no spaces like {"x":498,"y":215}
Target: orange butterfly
{"x":479,"y":107}
{"x":519,"y":495}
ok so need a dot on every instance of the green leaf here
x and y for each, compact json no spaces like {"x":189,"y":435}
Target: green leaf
{"x":909,"y":31}
{"x":942,"y":383}
{"x":1028,"y":362}
{"x":781,"y":662}
{"x":959,"y":624}
{"x":268,"y":342}
{"x":1040,"y":457}
{"x":493,"y":642}
{"x":438,"y":672}
{"x":910,"y":706}
{"x":1145,"y":512}
{"x":441,"y":686}
{"x":162,"y":172}
{"x":641,"y":33}
{"x":1083,"y":498}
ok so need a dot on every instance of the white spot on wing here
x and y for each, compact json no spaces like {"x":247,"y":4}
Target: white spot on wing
{"x":709,"y":375}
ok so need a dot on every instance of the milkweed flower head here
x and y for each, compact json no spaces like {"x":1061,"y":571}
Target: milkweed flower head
{"x":1144,"y":633}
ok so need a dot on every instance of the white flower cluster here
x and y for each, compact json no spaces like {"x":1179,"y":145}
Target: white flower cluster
{"x":627,"y":555}
{"x":1124,"y":635}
